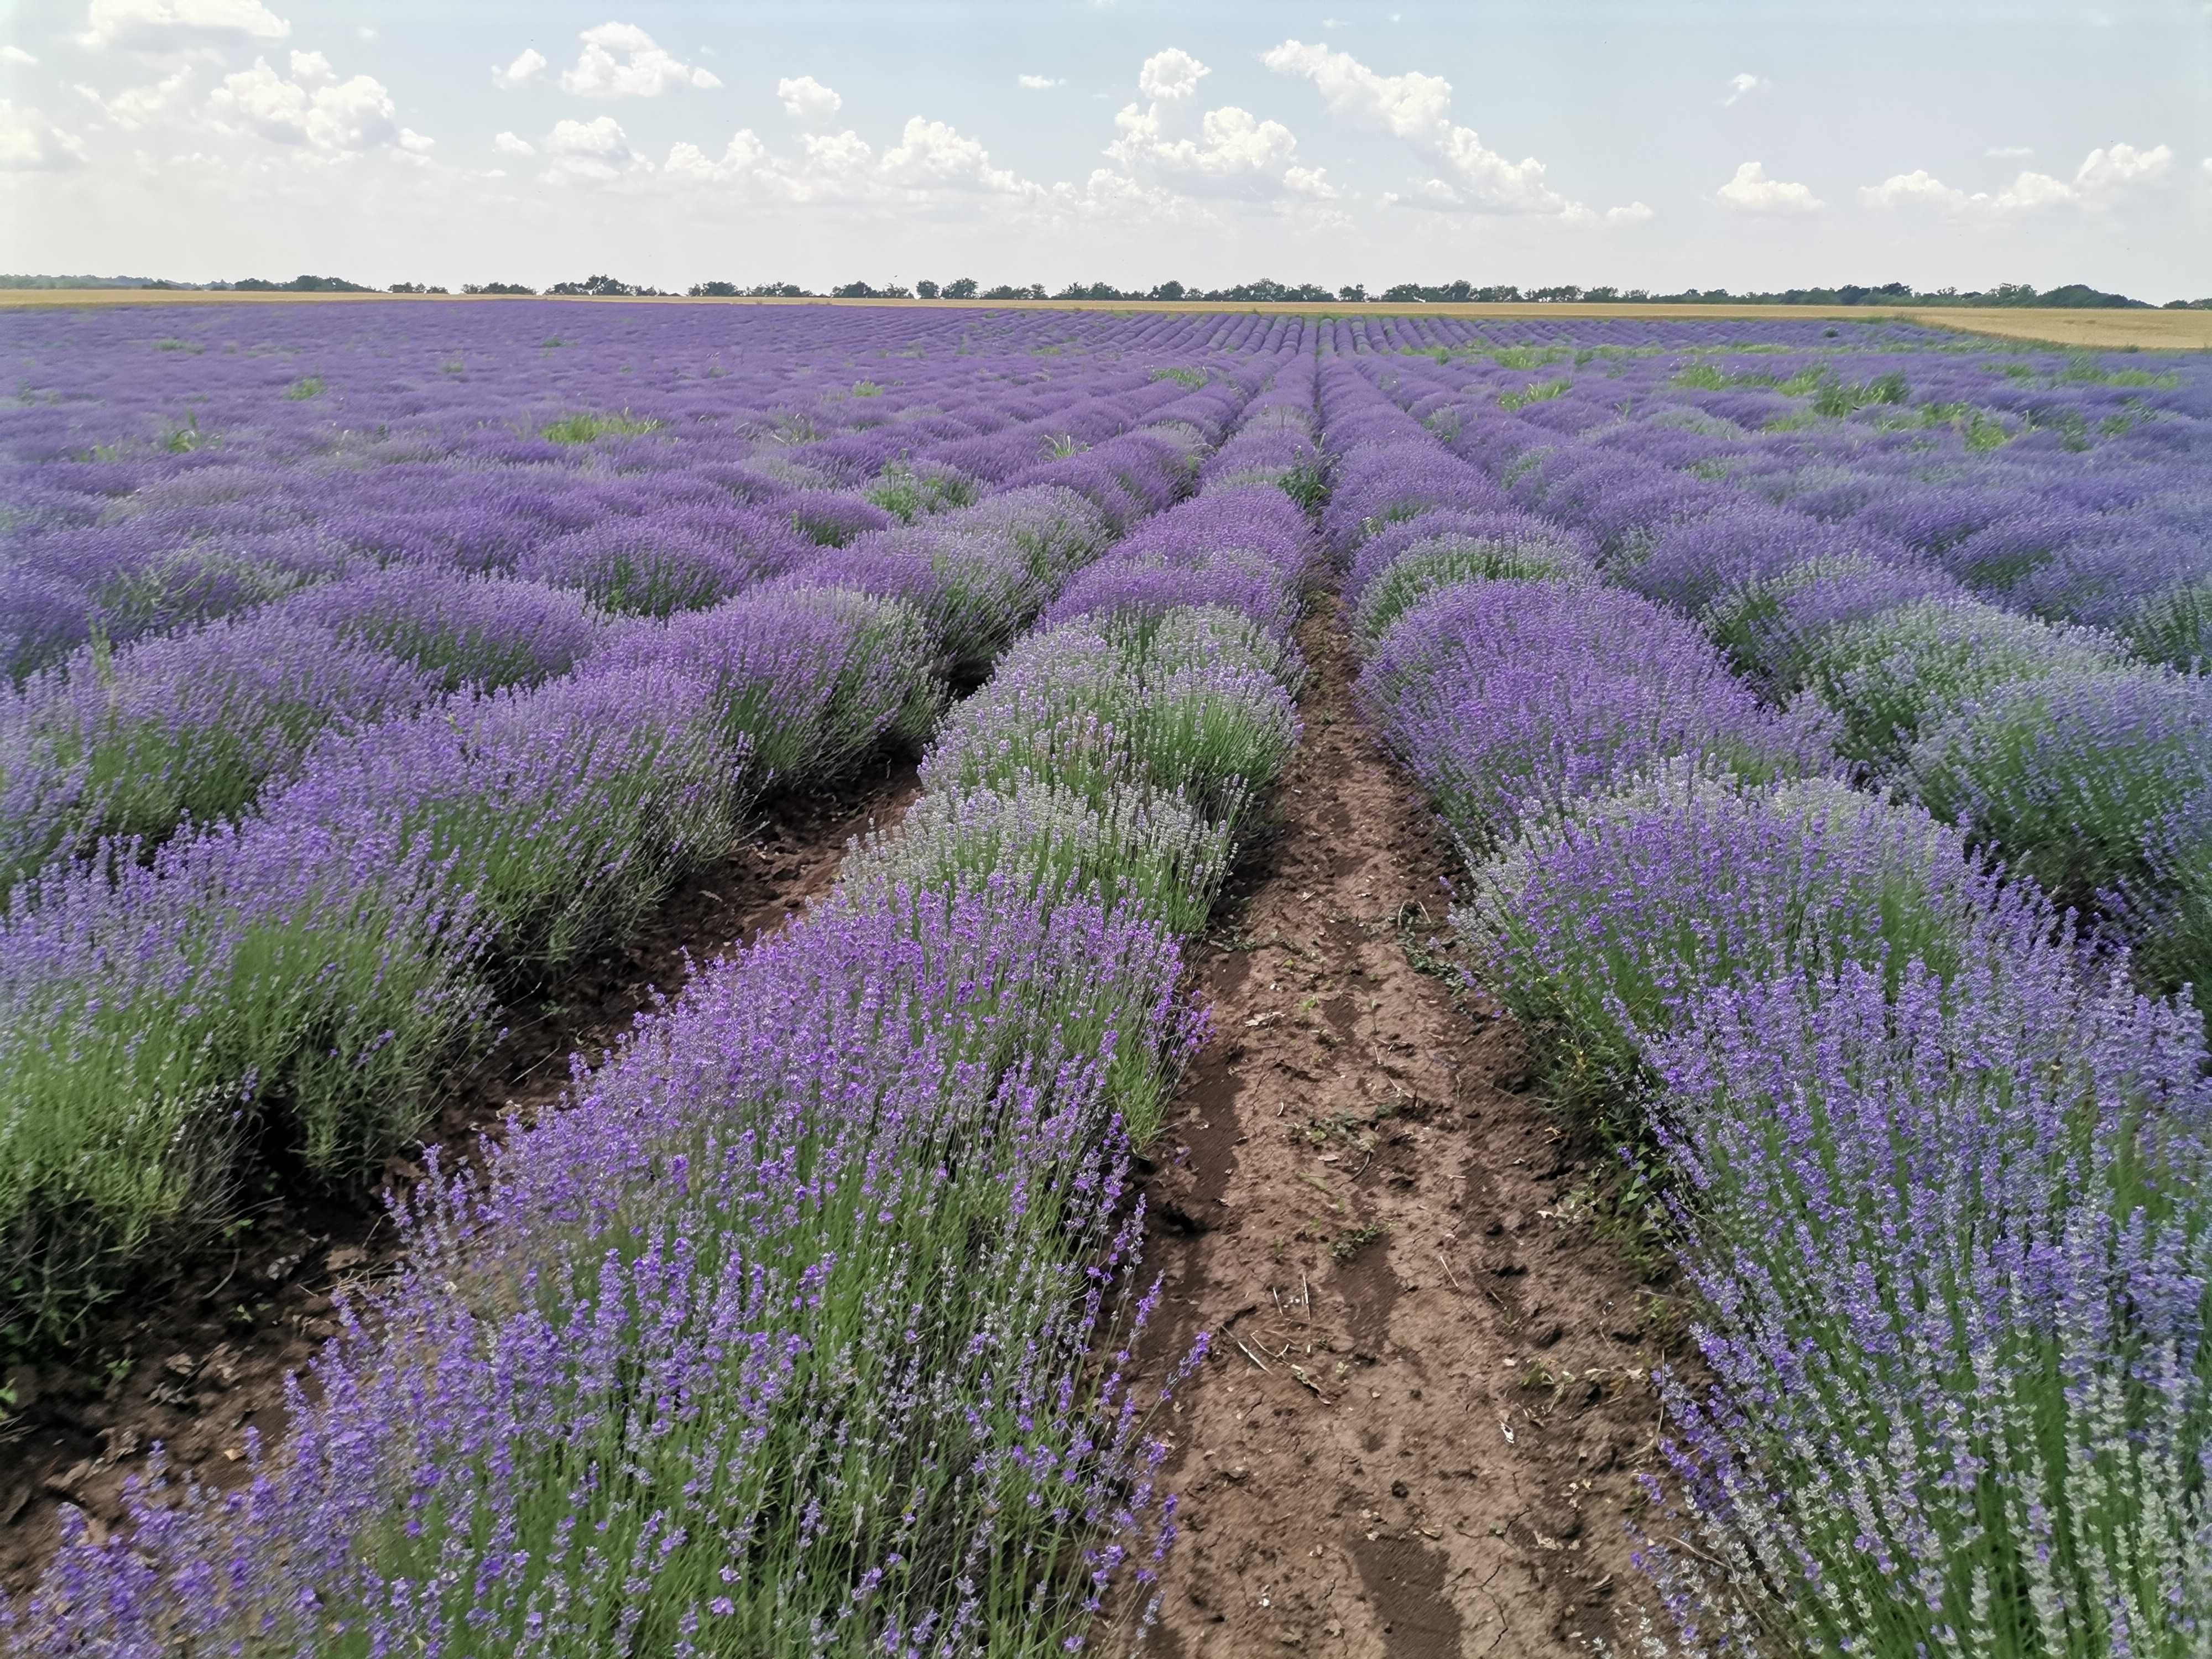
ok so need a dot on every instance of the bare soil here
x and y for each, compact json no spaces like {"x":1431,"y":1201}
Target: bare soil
{"x":1417,"y":1431}
{"x":191,"y":1361}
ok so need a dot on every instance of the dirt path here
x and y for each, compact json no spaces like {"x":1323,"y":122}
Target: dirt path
{"x":191,"y":1364}
{"x":1417,"y":1432}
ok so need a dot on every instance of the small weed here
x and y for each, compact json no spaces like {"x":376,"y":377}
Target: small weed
{"x":306,"y":387}
{"x":866,"y":389}
{"x":1541,"y":392}
{"x":1189,"y":377}
{"x":1307,"y":484}
{"x":1350,"y":1242}
{"x":582,"y":428}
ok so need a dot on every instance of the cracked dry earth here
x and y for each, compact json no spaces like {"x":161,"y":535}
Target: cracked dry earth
{"x":1419,"y":1427}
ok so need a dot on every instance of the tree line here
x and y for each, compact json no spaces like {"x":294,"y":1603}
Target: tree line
{"x":1265,"y":291}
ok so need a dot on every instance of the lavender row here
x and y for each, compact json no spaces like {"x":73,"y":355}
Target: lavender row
{"x":1937,"y":1171}
{"x":165,"y":470}
{"x":132,"y":740}
{"x":2051,"y":744}
{"x":308,"y":972}
{"x":805,"y":1328}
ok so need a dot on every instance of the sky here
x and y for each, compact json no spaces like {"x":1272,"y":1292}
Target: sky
{"x":1624,"y":141}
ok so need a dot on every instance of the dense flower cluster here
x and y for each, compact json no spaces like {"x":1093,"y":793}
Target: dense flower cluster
{"x":278,"y":844}
{"x":1938,"y":1169}
{"x":785,"y":1335}
{"x":1908,"y":547}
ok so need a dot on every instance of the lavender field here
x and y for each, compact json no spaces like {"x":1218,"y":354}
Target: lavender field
{"x":1816,"y":711}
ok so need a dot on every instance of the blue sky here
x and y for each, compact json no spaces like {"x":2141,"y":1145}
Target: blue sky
{"x":1716,"y":144}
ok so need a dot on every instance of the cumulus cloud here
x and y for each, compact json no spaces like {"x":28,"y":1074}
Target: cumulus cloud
{"x":1227,"y":149}
{"x":12,"y":53}
{"x":621,"y":60}
{"x":1417,"y":107}
{"x":933,"y":163}
{"x":1171,"y":75}
{"x":31,"y":143}
{"x":1752,"y":191}
{"x":313,"y":109}
{"x":2009,"y":152}
{"x":596,"y":151}
{"x":1740,"y":87}
{"x":933,"y":155}
{"x":159,"y":24}
{"x":135,"y":107}
{"x":2118,"y":167}
{"x":1635,"y":213}
{"x":1038,"y":82}
{"x":507,"y":144}
{"x":805,"y":99}
{"x":529,"y":63}
{"x":2105,"y":174}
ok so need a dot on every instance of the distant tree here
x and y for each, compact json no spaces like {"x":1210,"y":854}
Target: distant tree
{"x":964,"y":289}
{"x":925,"y":289}
{"x":853,"y":291}
{"x":1004,"y":291}
{"x":299,"y":285}
{"x":1353,"y":294}
{"x":778,"y":291}
{"x":496,"y":287}
{"x":602,"y":287}
{"x":712,"y":291}
{"x":1169,"y":290}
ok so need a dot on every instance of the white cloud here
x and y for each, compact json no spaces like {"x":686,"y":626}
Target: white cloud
{"x":309,"y":67}
{"x":621,"y":60}
{"x":1635,"y":213}
{"x":1741,"y":86}
{"x":1311,"y":183}
{"x":2119,"y":167}
{"x":317,"y":111}
{"x":932,"y":156}
{"x":1164,"y":142}
{"x":135,"y":107}
{"x":12,"y":53}
{"x":1752,"y":191}
{"x":805,"y":99}
{"x":596,"y":151}
{"x":1038,"y":82}
{"x":529,"y":63}
{"x":507,"y":144}
{"x":1173,"y":74}
{"x":157,"y":24}
{"x":2010,"y":152}
{"x":31,"y":143}
{"x":2103,"y":175}
{"x":1417,"y":107}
